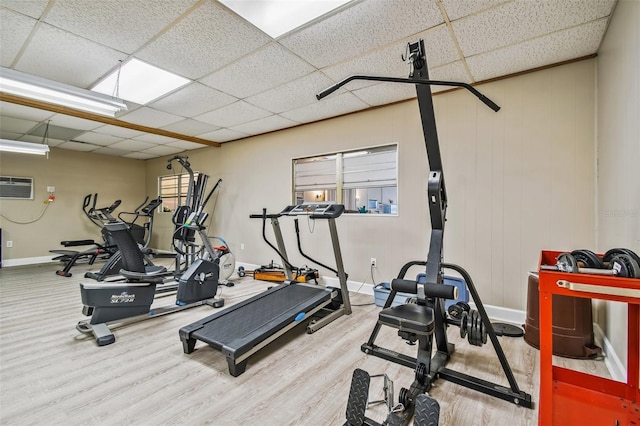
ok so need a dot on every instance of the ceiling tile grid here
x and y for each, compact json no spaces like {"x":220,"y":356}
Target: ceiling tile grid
{"x":246,"y":83}
{"x":259,"y":71}
{"x":69,"y":58}
{"x":205,"y":40}
{"x":572,"y":43}
{"x":360,"y":28}
{"x":14,"y":31}
{"x":32,"y":8}
{"x":500,"y":26}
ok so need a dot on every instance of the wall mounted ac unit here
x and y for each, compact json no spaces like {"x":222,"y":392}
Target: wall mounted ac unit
{"x":18,"y":188}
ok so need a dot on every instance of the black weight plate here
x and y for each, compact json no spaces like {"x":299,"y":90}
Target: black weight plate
{"x":634,"y":256}
{"x":509,"y":330}
{"x":455,"y":311}
{"x":626,"y":266}
{"x":464,"y":318}
{"x":464,"y":305}
{"x":475,"y":332}
{"x":588,"y":258}
{"x":610,"y":254}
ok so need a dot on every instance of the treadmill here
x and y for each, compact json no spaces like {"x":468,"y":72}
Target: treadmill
{"x":243,"y":329}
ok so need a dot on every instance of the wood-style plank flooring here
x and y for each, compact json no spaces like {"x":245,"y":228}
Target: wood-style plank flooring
{"x":50,"y":374}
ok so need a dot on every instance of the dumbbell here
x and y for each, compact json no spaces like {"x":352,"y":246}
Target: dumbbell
{"x":621,"y":260}
{"x":455,"y":310}
{"x":620,"y":264}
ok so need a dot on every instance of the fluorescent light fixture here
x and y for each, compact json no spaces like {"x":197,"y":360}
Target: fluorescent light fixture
{"x":139,"y":82}
{"x":355,"y":154}
{"x":276,"y":17}
{"x":32,"y":87}
{"x":23,"y":147}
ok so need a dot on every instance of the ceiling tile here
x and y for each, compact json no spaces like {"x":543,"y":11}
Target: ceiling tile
{"x":121,"y":132}
{"x":150,"y":117}
{"x":141,"y":155}
{"x":27,"y":113}
{"x":32,"y":8}
{"x":362,"y":27}
{"x":294,"y":94}
{"x":384,"y":93}
{"x":74,"y":122}
{"x":460,"y":8}
{"x":192,"y":100}
{"x":206,"y":40}
{"x":224,"y":135}
{"x":38,"y":139}
{"x":330,"y":106}
{"x":573,"y":43}
{"x":14,"y":31}
{"x":65,"y":55}
{"x":154,"y":139}
{"x":16,"y":125}
{"x":6,"y":134}
{"x":186,"y":145}
{"x":231,"y":115}
{"x":131,"y":145}
{"x":191,"y":127}
{"x":97,"y":138}
{"x":111,"y":151}
{"x":263,"y":125}
{"x":124,"y":27}
{"x":77,"y":146}
{"x":497,"y":27}
{"x":258,"y":72}
{"x":163,"y":150}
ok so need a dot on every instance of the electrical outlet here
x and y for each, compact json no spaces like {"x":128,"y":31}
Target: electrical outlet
{"x":51,"y":189}
{"x":374,"y":263}
{"x":242,"y":246}
{"x":9,"y":244}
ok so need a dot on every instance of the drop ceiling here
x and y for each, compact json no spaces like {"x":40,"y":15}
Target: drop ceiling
{"x":244,"y":83}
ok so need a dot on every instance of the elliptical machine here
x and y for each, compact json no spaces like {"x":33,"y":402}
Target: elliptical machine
{"x":99,"y":216}
{"x":200,"y":262}
{"x":141,"y":233}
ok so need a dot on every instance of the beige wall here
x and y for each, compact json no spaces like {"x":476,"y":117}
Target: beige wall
{"x":519,"y":181}
{"x":618,"y":138}
{"x":73,"y":174}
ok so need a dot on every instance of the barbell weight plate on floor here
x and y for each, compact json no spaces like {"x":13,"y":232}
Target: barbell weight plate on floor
{"x":567,"y":263}
{"x":474,"y":332}
{"x":509,"y":330}
{"x":464,"y":319}
{"x":588,"y":258}
{"x":625,"y":266}
{"x":421,"y":373}
{"x":241,"y":272}
{"x":483,"y":333}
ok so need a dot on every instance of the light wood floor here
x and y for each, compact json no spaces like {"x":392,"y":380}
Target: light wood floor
{"x":50,"y":374}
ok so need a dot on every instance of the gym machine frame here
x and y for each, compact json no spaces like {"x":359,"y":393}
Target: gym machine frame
{"x":429,"y":369}
{"x":573,"y":397}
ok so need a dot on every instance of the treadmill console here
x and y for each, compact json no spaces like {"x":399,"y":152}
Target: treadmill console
{"x":315,"y":210}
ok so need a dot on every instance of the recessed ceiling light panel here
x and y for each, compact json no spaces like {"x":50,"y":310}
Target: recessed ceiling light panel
{"x":276,"y":17}
{"x":139,"y":82}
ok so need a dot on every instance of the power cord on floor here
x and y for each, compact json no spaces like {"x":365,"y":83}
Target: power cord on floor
{"x":363,"y":283}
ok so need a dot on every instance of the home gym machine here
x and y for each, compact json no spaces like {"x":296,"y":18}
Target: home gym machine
{"x":198,"y":260}
{"x":99,"y":216}
{"x":112,"y":303}
{"x":419,"y":321}
{"x":141,"y":234}
{"x":242,"y":329}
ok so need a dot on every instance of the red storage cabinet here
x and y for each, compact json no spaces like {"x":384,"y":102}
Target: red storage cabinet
{"x":569,"y":397}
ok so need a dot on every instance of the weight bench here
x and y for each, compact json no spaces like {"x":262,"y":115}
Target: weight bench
{"x":70,"y":257}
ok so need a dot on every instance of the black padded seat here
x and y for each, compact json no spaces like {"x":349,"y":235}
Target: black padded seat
{"x":410,"y":317}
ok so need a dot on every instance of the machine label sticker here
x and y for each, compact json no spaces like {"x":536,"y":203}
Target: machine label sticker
{"x":123,"y":297}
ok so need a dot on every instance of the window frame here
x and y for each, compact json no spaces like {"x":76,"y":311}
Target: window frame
{"x":338,"y":188}
{"x":183,"y":182}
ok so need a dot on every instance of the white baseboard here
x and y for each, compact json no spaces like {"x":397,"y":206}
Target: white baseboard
{"x":616,"y":368}
{"x":26,"y":261}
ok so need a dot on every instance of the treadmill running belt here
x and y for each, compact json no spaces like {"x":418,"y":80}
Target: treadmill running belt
{"x":246,"y":327}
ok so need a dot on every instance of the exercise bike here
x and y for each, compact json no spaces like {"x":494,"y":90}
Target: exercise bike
{"x":119,"y":303}
{"x":141,"y":233}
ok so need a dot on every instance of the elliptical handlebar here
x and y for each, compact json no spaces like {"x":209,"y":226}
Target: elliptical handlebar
{"x":102,"y":215}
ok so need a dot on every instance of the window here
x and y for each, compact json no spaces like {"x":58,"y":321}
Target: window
{"x":173,"y":190}
{"x":364,"y":180}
